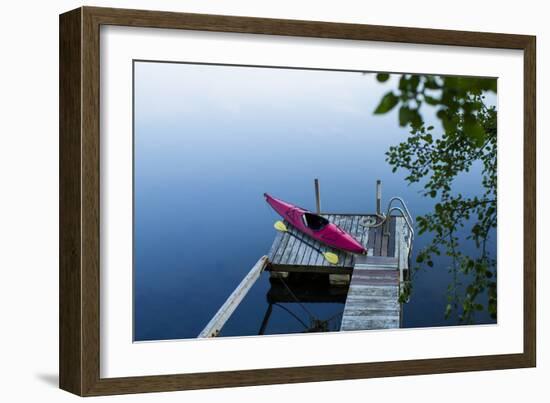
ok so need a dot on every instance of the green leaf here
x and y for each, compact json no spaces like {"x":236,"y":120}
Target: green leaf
{"x":408,"y":115}
{"x":474,"y":130}
{"x":382,"y":77}
{"x":413,"y":82}
{"x":431,"y":84}
{"x":387,"y":103}
{"x":404,"y":114}
{"x":431,"y":100}
{"x":448,"y":309}
{"x":403,"y":83}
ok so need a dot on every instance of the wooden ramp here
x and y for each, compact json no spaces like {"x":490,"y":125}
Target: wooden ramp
{"x":373,"y":296}
{"x":214,"y":327}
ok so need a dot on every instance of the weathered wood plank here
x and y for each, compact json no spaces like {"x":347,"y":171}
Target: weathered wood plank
{"x":310,"y":269}
{"x":379,"y":261}
{"x":286,"y":254}
{"x":217,"y":322}
{"x":302,"y":250}
{"x":313,"y":254}
{"x":369,"y":276}
{"x":373,"y":291}
{"x":378,"y":241}
{"x":346,"y":225}
{"x":372,"y":275}
{"x":377,"y":282}
{"x":361,"y":324}
{"x":351,"y":224}
{"x":391,"y":242}
{"x":384,"y":247}
{"x":378,"y":305}
{"x":373,"y":314}
{"x":402,"y":233}
{"x":282,"y":247}
{"x":372,"y":238}
{"x":293,"y":254}
{"x":384,"y":271}
{"x":363,"y":235}
{"x":366,"y":280}
{"x":369,"y":299}
{"x":358,"y":304}
{"x":275,"y":246}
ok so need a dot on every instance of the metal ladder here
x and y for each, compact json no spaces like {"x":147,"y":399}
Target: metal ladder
{"x":404,"y":211}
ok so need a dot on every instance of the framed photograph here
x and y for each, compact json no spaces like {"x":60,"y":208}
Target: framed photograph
{"x":249,"y":201}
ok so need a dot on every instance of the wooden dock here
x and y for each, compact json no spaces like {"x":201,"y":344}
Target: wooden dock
{"x":289,"y":254}
{"x":374,"y":280}
{"x":372,"y":299}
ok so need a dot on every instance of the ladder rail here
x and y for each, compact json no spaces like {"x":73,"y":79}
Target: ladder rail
{"x":405,"y":208}
{"x":405,"y":213}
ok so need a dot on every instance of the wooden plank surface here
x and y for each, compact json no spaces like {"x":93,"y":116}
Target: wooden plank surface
{"x":348,"y":227}
{"x":275,"y":246}
{"x":362,"y":234}
{"x":378,"y":241}
{"x":384,"y":247}
{"x":373,"y":295}
{"x":402,"y":235}
{"x":299,"y":253}
{"x":372,"y":238}
{"x":391,"y":242}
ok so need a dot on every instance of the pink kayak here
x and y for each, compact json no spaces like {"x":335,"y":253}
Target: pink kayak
{"x":315,"y":226}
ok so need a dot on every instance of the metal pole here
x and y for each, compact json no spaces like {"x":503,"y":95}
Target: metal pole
{"x":317,"y":196}
{"x":266,"y":319}
{"x":378,"y":196}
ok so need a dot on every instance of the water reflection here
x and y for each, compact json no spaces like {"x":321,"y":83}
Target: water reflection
{"x":295,"y":296}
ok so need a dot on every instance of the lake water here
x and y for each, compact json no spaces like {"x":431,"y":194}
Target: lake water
{"x":209,"y":141}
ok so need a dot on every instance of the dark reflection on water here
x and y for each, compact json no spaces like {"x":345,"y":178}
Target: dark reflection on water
{"x":209,"y":141}
{"x":308,"y":301}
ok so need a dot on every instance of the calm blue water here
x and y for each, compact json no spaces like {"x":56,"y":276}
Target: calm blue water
{"x":209,"y":141}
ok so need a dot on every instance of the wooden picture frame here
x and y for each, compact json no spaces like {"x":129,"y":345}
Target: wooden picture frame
{"x":79,"y":200}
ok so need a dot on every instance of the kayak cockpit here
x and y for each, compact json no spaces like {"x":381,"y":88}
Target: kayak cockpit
{"x":314,"y":222}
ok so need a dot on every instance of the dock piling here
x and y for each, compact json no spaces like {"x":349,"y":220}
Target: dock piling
{"x":378,"y":197}
{"x":317,"y":196}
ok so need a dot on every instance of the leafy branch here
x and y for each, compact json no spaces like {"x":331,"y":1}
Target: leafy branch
{"x":436,"y":159}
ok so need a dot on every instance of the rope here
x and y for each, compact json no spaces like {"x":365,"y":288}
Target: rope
{"x":382,"y":218}
{"x":292,"y":314}
{"x":315,"y":322}
{"x":311,"y":316}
